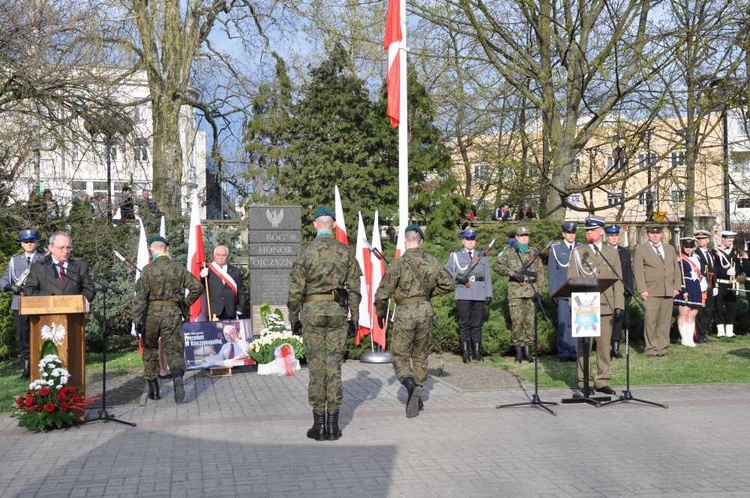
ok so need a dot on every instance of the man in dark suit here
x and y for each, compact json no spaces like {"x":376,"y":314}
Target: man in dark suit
{"x":225,"y":289}
{"x":707,"y":258}
{"x":626,"y":273}
{"x":57,"y":274}
{"x":657,"y":276}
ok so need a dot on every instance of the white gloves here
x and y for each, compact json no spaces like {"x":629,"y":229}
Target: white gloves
{"x":716,"y":291}
{"x":204,"y":272}
{"x":731,"y":272}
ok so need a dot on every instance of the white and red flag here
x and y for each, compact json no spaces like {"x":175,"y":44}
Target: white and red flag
{"x":378,"y":270}
{"x":338,"y":210}
{"x":392,"y":45}
{"x":365,"y":264}
{"x":196,"y":258}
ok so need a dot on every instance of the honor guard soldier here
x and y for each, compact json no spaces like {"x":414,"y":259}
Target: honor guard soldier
{"x":707,"y":258}
{"x":612,"y":234}
{"x":13,"y":281}
{"x":471,"y":270}
{"x":728,"y":269}
{"x":323,"y":290}
{"x":590,"y":260}
{"x":522,"y":264}
{"x":158,"y":309}
{"x":412,"y":280}
{"x":657,"y":275}
{"x":559,"y":260}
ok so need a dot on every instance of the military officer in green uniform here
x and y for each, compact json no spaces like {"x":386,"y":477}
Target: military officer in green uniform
{"x":324,"y":277}
{"x":159,"y":301}
{"x":522,"y":265}
{"x":412,"y":280}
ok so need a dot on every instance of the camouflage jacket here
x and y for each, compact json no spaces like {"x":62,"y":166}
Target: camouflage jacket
{"x":508,"y":263}
{"x":400,"y":281}
{"x":321,"y":266}
{"x":164,"y":280}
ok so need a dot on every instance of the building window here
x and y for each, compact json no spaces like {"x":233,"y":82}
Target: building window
{"x":79,"y":188}
{"x":678,"y":159}
{"x":614,"y":198}
{"x":643,"y":198}
{"x":481,"y":172}
{"x":743,"y":203}
{"x":576,"y":170}
{"x":140,"y":149}
{"x":677,"y":196}
{"x":646,"y":159}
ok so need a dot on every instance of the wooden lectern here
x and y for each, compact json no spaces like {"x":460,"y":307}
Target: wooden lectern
{"x":67,"y":311}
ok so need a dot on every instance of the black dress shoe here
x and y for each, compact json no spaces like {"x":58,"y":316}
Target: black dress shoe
{"x":606,"y":390}
{"x":589,"y":392}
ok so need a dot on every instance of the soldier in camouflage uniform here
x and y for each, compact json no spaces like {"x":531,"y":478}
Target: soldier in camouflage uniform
{"x":511,"y":263}
{"x":159,"y":301}
{"x":323,"y":271}
{"x":412,"y":280}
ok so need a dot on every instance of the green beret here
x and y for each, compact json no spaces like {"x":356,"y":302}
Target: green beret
{"x":415,"y":228}
{"x":323,"y":211}
{"x":157,"y":238}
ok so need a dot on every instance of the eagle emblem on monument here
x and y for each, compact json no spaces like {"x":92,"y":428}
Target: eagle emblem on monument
{"x":275,"y":217}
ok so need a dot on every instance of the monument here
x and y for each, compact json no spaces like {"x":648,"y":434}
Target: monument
{"x":274,"y":240}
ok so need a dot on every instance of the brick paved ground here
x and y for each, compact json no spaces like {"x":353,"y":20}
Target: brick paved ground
{"x":245,"y":436}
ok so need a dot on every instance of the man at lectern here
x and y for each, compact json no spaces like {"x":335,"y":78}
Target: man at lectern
{"x":58,"y":275}
{"x":589,"y":261}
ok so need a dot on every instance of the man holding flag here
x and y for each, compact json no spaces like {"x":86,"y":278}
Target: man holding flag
{"x":226,"y":294}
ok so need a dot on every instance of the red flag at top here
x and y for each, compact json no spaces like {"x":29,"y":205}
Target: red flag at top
{"x":393,"y":37}
{"x":338,"y":210}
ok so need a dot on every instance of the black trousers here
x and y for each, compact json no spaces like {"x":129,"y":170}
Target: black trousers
{"x":23,"y":333}
{"x":705,"y":314}
{"x":725,"y":310}
{"x":470,"y":319}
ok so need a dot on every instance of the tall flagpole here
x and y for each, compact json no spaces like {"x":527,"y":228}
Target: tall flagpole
{"x":403,"y":127}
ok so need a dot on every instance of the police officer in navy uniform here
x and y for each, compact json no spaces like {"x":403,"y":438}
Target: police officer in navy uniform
{"x":559,"y":259}
{"x":12,"y":281}
{"x":612,"y":236}
{"x":473,"y":292}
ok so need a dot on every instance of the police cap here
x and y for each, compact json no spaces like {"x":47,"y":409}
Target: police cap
{"x":569,"y":227}
{"x":592,"y":223}
{"x":469,"y":233}
{"x":28,"y":235}
{"x":612,"y":230}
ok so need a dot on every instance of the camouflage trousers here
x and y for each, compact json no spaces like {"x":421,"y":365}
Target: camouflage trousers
{"x":411,"y":341}
{"x":325,"y":345}
{"x":522,"y":321}
{"x":165,"y":323}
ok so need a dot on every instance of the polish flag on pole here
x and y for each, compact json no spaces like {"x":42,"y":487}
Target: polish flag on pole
{"x":142,"y":259}
{"x":339,"y":212}
{"x":392,"y":45}
{"x":365,"y":305}
{"x":377,"y":270}
{"x":196,"y":258}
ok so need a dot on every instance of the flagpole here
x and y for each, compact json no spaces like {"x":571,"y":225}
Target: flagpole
{"x":403,"y":127}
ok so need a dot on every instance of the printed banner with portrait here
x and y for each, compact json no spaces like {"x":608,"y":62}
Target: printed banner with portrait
{"x":217,"y":344}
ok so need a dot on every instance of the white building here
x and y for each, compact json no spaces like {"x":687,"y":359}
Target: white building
{"x":80,"y":166}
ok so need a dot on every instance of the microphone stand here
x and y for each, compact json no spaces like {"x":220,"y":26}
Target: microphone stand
{"x":535,"y":399}
{"x":103,"y":414}
{"x":627,"y":395}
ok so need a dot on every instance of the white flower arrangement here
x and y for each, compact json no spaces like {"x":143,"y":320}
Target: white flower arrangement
{"x":52,"y":373}
{"x":275,"y":333}
{"x":54,"y":333}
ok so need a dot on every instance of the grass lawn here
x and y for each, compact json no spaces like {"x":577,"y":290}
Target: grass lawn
{"x":719,"y":361}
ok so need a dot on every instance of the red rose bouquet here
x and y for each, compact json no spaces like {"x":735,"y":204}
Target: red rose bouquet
{"x":49,"y":403}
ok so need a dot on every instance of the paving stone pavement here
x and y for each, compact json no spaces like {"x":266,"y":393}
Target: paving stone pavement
{"x":245,"y":436}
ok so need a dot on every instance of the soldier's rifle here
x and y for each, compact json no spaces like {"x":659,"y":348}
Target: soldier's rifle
{"x":140,"y":326}
{"x":16,"y":286}
{"x":463,"y":277}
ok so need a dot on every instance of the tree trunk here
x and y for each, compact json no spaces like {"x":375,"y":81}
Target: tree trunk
{"x":167,"y":157}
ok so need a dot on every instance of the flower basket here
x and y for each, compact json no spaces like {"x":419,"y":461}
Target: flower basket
{"x":274,"y":334}
{"x":49,"y":403}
